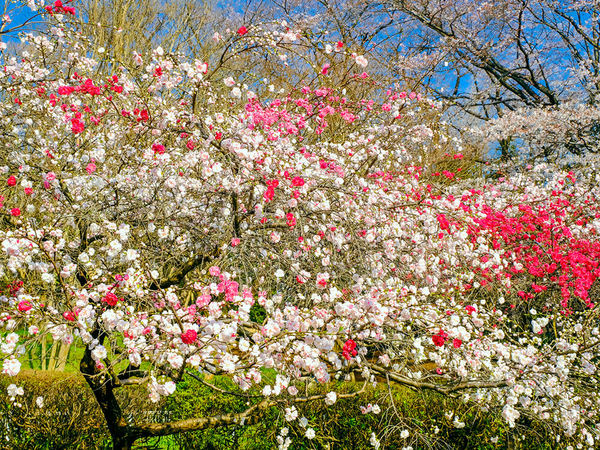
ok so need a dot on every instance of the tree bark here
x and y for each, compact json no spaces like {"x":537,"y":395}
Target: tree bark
{"x":103,"y":388}
{"x":63,"y":355}
{"x":124,"y":434}
{"x":52,"y":360}
{"x":44,"y":354}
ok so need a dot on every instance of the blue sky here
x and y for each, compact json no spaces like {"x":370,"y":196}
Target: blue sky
{"x":19,"y":15}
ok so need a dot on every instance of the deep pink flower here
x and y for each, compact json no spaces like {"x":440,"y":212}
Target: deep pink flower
{"x":189,"y":336}
{"x":297,"y":181}
{"x":349,"y":349}
{"x":158,"y":149}
{"x":111,"y":299}
{"x":24,"y":306}
{"x":444,"y":224}
{"x":70,"y":316}
{"x":269,"y":194}
{"x":439,"y":339}
{"x":291,"y":220}
{"x":77,"y":126}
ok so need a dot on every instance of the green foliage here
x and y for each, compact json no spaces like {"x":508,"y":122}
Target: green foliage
{"x":71,"y":418}
{"x":343,"y":426}
{"x":258,"y":313}
{"x":193,"y":399}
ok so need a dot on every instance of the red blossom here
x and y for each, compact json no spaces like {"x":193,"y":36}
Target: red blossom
{"x":60,"y":8}
{"x":269,"y":194}
{"x":298,"y":181}
{"x":349,"y":349}
{"x":111,"y":299}
{"x":290,"y":219}
{"x":444,"y":224}
{"x":189,"y":336}
{"x":71,"y":316}
{"x":439,"y":339}
{"x":24,"y":306}
{"x":77,"y":126}
{"x":158,"y":149}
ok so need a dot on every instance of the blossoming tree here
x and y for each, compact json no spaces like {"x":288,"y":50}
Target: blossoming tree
{"x":177,"y":224}
{"x":517,"y":59}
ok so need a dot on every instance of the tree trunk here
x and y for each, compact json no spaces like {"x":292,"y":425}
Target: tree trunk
{"x":505,"y":149}
{"x":44,"y":354}
{"x":124,"y":434}
{"x":52,"y":359}
{"x":63,"y":355}
{"x":103,"y":386}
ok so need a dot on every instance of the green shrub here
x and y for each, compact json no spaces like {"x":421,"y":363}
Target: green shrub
{"x":71,"y":418}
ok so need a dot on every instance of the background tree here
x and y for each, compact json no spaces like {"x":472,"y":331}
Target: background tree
{"x":503,"y":56}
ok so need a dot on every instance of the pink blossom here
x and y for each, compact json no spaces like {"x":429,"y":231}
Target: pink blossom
{"x":298,"y":181}
{"x":189,"y":337}
{"x":24,"y":306}
{"x":290,"y":219}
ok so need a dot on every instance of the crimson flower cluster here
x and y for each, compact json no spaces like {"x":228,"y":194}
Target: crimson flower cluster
{"x":111,"y":299}
{"x":60,"y":8}
{"x":349,"y":349}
